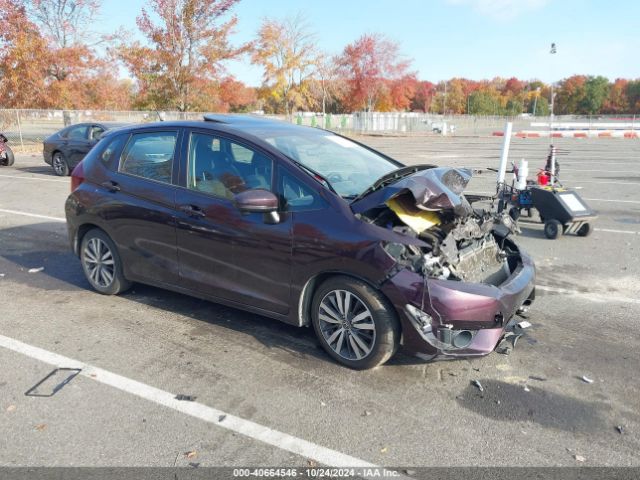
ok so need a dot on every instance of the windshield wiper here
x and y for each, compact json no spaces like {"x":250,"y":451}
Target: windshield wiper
{"x":391,"y":177}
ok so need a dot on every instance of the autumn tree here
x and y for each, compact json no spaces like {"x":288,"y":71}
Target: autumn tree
{"x":236,"y":96}
{"x":633,"y":95}
{"x":188,"y":42}
{"x":23,"y":59}
{"x":617,"y":101}
{"x":286,"y":51}
{"x":425,"y":91}
{"x":367,"y":64}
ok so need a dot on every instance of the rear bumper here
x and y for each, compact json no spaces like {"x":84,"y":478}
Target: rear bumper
{"x":452,"y":307}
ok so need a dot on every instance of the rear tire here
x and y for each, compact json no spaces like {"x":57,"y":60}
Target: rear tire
{"x":585,"y":230}
{"x":552,"y":229}
{"x":354,"y":323}
{"x":60,"y":165}
{"x":101,"y":263}
{"x":8,"y":158}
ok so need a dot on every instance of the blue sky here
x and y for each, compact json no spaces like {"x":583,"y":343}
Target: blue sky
{"x":455,"y":38}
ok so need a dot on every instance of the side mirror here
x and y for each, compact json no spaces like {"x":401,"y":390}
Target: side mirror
{"x":258,"y":201}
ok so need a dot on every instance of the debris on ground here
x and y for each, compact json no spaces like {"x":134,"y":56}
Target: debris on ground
{"x":191,"y":454}
{"x":620,"y":429}
{"x":322,"y":404}
{"x":477,"y":384}
{"x":535,"y":377}
{"x":383,"y":450}
{"x":504,"y":350}
{"x":527,"y":389}
{"x":221,"y":418}
{"x":186,"y":398}
{"x":515,"y":339}
{"x":311,"y":463}
{"x":194,"y":464}
{"x":586,"y":379}
{"x":366,"y":413}
{"x":524,"y":324}
{"x":12,"y":408}
{"x":579,"y":458}
{"x":41,"y":426}
{"x":409,"y":472}
{"x":35,"y":270}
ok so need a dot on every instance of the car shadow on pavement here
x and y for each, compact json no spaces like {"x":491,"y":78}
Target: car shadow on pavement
{"x":510,"y":402}
{"x":36,"y":246}
{"x":45,"y":245}
{"x":41,"y":170}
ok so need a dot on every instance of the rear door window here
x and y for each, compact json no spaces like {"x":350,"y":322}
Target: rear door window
{"x":150,"y":155}
{"x":77,"y":133}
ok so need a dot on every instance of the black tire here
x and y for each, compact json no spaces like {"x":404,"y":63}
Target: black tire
{"x":383,"y":339}
{"x":553,"y":229}
{"x":60,"y":165}
{"x":585,"y":230}
{"x":9,"y":157}
{"x":117,"y":283}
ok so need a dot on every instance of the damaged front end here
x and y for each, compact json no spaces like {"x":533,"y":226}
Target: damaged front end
{"x":460,"y":275}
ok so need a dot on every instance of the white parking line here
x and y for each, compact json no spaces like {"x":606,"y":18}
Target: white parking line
{"x":200,"y":411}
{"x":24,"y":177}
{"x":34,"y":215}
{"x":594,"y":297}
{"x":611,"y":230}
{"x":612,"y":201}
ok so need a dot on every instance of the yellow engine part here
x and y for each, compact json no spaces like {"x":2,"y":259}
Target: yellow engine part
{"x":416,"y":219}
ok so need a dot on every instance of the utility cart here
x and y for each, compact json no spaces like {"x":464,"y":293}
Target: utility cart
{"x":562,"y":210}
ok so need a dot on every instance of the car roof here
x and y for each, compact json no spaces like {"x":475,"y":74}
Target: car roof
{"x":255,"y":125}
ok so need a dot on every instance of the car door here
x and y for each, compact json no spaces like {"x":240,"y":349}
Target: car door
{"x":140,"y":205}
{"x":242,"y":258}
{"x":77,"y":144}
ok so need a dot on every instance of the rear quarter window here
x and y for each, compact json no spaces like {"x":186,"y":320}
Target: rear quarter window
{"x":150,"y":155}
{"x":111,"y":151}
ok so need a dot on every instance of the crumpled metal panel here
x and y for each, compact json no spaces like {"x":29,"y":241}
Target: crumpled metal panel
{"x":433,"y":189}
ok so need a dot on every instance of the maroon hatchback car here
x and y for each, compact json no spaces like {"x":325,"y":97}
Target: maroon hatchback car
{"x":302,"y":225}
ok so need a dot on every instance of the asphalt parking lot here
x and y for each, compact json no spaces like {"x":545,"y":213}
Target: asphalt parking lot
{"x":267,"y":395}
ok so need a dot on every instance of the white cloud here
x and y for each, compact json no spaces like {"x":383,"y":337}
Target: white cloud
{"x":501,"y":9}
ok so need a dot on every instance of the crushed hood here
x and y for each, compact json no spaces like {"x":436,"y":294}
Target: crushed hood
{"x":433,"y":189}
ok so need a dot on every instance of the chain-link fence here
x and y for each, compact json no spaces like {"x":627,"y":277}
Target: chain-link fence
{"x":28,"y":128}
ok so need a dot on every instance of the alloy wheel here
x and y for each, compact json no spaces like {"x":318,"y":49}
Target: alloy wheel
{"x":98,"y":262}
{"x":347,"y":324}
{"x":59,"y":165}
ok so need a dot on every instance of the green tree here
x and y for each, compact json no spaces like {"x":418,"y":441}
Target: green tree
{"x":596,"y":91}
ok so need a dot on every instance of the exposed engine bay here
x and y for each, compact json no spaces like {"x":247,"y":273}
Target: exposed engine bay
{"x":461,"y":242}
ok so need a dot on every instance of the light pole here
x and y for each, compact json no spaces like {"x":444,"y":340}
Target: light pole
{"x":552,"y":52}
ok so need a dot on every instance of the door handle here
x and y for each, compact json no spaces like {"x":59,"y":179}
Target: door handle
{"x":111,"y":186}
{"x":193,"y":211}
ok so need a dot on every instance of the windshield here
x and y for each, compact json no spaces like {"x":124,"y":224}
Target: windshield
{"x":349,"y":167}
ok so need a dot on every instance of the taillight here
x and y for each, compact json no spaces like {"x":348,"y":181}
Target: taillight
{"x":77,"y":176}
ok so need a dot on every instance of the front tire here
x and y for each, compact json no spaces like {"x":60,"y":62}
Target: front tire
{"x":60,"y":165}
{"x":354,"y":323}
{"x":553,"y":229}
{"x":101,"y":263}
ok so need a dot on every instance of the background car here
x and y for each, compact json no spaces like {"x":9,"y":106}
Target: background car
{"x":65,"y":149}
{"x":302,"y":225}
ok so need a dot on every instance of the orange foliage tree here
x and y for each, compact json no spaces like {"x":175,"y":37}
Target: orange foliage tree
{"x":182,"y":63}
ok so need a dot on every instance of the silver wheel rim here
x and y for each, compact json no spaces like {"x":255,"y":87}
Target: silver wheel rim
{"x":58,"y":164}
{"x":347,"y":325}
{"x":98,"y":262}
